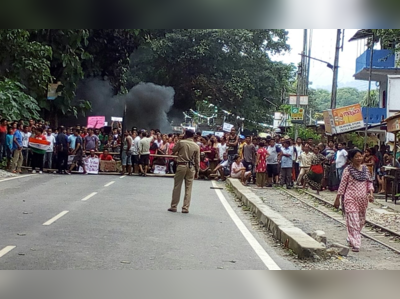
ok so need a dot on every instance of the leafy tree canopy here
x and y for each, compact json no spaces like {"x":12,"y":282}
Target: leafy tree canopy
{"x":228,"y":68}
{"x":36,"y":58}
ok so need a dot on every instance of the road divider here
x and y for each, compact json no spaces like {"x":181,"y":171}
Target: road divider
{"x":55,"y":218}
{"x":6,"y":250}
{"x":109,"y":184}
{"x":281,"y":228}
{"x":89,"y":196}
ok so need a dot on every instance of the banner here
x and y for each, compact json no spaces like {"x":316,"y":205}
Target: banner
{"x":227,"y":127}
{"x":344,"y":119}
{"x":348,"y":118}
{"x":206,"y":133}
{"x":92,"y":165}
{"x":96,"y":122}
{"x":114,"y":118}
{"x":39,"y":144}
{"x":219,"y":134}
{"x":160,"y":169}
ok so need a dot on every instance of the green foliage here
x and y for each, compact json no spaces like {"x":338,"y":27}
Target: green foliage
{"x":229,"y":68}
{"x":356,"y":139}
{"x":305,"y":133}
{"x":24,"y":60}
{"x":3,"y":163}
{"x":320,"y":99}
{"x":373,"y":101}
{"x":15,"y":103}
{"x":36,"y":58}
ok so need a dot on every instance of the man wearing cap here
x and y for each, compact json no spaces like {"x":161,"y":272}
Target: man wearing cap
{"x":188,"y":165}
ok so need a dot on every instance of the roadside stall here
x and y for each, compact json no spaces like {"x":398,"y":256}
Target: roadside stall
{"x":392,"y":179}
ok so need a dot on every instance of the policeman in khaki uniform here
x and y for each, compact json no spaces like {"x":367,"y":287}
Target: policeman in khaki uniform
{"x":188,"y":164}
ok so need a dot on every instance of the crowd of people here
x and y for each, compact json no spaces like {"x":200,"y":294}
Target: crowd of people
{"x":271,"y":161}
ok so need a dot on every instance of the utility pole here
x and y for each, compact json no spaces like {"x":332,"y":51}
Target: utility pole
{"x":371,"y":45}
{"x":309,"y":61}
{"x":301,"y":77}
{"x":335,"y":70}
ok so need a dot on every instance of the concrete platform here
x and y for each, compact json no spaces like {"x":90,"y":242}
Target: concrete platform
{"x":281,"y":228}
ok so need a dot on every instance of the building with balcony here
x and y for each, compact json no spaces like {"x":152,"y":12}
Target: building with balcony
{"x":385,"y":70}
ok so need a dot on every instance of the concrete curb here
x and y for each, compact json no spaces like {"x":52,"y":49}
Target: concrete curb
{"x":281,"y":228}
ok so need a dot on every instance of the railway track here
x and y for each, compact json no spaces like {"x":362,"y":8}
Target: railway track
{"x":372,"y":230}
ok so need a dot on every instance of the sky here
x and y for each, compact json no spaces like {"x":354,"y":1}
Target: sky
{"x":323,"y":47}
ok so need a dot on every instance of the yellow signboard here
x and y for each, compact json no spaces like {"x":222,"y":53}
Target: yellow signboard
{"x":297,"y":114}
{"x":344,"y":119}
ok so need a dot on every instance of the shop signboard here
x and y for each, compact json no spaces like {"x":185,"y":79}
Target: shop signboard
{"x":297,"y":115}
{"x":343,"y":119}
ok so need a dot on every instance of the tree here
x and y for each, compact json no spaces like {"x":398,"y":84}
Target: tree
{"x":320,"y":99}
{"x":228,"y":68}
{"x":15,"y":104}
{"x":25,"y":61}
{"x":373,"y":101}
{"x":36,"y":58}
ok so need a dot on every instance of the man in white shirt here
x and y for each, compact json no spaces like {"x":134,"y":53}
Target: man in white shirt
{"x":341,"y":159}
{"x":144,"y":151}
{"x":135,"y":152}
{"x":25,"y":143}
{"x":299,"y":148}
{"x":223,"y":167}
{"x":222,"y":149}
{"x":305,"y":163}
{"x":48,"y":157}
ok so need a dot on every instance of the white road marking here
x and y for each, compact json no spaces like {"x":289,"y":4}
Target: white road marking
{"x":89,"y":196}
{"x":121,"y":177}
{"x":260,"y":251}
{"x":6,"y":250}
{"x":17,"y":177}
{"x":109,"y":184}
{"x":55,"y":218}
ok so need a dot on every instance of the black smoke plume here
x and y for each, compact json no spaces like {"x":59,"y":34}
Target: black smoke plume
{"x":147,"y":104}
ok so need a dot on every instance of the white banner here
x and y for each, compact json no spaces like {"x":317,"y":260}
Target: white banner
{"x":160,"y":169}
{"x":115,"y":118}
{"x":227,"y":127}
{"x":92,"y":165}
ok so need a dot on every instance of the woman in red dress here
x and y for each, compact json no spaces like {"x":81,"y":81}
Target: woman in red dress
{"x":261,"y":165}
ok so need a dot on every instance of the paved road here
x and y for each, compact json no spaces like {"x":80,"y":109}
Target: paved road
{"x":124,"y":225}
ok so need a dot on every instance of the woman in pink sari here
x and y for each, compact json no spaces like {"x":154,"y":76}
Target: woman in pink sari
{"x":356,"y":190}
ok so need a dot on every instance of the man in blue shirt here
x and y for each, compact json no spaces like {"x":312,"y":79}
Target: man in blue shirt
{"x":17,"y":150}
{"x":71,"y":142}
{"x":286,"y":164}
